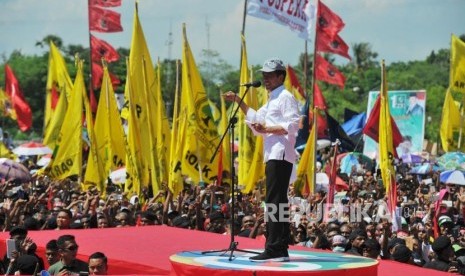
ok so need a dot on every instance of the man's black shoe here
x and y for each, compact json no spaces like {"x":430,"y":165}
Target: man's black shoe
{"x":266,"y":257}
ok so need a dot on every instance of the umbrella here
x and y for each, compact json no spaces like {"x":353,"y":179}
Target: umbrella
{"x":426,"y":168}
{"x":452,"y":177}
{"x":349,"y":159}
{"x":32,"y":148}
{"x":44,"y":160}
{"x":452,"y":160}
{"x":9,"y":170}
{"x":118,"y":176}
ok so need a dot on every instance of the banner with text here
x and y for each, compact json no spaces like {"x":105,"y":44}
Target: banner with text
{"x":296,"y":15}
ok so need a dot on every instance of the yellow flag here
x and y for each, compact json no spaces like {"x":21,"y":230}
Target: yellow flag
{"x":246,"y":137}
{"x":202,"y":136}
{"x":386,"y":150}
{"x":67,"y":155}
{"x":226,"y":146}
{"x":95,"y":175}
{"x":142,"y":74}
{"x":5,"y":105}
{"x":133,"y":153}
{"x":450,"y":123}
{"x":457,"y":65}
{"x":108,"y":128}
{"x":178,"y":134}
{"x":306,"y":167}
{"x":162,"y":132}
{"x":58,"y":83}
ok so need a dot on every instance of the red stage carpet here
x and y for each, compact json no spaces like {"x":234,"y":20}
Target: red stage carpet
{"x":147,"y":250}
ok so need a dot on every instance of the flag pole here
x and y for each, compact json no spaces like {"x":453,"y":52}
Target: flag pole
{"x":90,"y":48}
{"x":312,"y":89}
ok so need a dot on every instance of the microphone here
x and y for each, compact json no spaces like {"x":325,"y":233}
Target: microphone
{"x":253,"y":84}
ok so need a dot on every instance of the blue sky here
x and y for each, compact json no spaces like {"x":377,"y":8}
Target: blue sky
{"x":398,"y":30}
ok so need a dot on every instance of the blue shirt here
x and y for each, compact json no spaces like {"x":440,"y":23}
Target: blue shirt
{"x":281,"y":110}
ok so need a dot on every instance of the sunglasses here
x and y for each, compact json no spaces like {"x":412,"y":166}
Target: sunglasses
{"x":71,"y":248}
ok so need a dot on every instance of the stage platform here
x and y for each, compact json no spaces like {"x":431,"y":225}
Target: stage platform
{"x":147,"y":250}
{"x":301,"y":262}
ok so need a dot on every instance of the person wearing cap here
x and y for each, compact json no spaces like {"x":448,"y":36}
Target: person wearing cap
{"x":445,"y":260}
{"x":445,"y":225}
{"x":338,"y":243}
{"x":278,"y":122}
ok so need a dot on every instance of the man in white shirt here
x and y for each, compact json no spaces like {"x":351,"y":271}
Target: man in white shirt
{"x":278,"y":122}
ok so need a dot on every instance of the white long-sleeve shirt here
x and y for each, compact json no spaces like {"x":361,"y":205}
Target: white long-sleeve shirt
{"x":281,"y":109}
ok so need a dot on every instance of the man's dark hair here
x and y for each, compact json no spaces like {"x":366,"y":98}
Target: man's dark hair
{"x":65,"y":238}
{"x":281,"y":73}
{"x":52,"y":245}
{"x":99,"y":255}
{"x":70,"y":215}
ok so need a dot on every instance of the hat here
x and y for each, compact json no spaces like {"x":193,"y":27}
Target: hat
{"x":444,"y":219}
{"x":441,"y":243}
{"x":339,"y":240}
{"x":272,"y":65}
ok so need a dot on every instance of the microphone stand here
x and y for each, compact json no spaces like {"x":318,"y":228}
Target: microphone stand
{"x":231,"y":125}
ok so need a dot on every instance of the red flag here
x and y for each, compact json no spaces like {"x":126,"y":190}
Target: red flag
{"x":327,"y":72}
{"x":371,"y":128}
{"x":105,"y":3}
{"x":333,"y":45}
{"x":104,"y":20}
{"x":20,"y":105}
{"x":318,"y":99}
{"x":97,"y":75}
{"x":101,"y":48}
{"x":321,"y":122}
{"x":328,"y":21}
{"x":295,"y":81}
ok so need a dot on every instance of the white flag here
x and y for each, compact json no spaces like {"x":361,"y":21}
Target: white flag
{"x":296,"y":15}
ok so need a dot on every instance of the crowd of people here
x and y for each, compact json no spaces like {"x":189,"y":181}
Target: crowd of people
{"x":45,"y":204}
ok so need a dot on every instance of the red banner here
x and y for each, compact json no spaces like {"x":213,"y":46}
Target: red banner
{"x":327,"y":72}
{"x":102,"y":49}
{"x":104,"y":20}
{"x":332,"y":45}
{"x":97,"y":75}
{"x":105,"y":3}
{"x":328,"y":21}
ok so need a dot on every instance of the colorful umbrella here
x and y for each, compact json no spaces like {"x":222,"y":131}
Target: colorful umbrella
{"x":10,"y":169}
{"x":32,"y":148}
{"x":452,"y":160}
{"x":453,"y":177}
{"x":426,"y":169}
